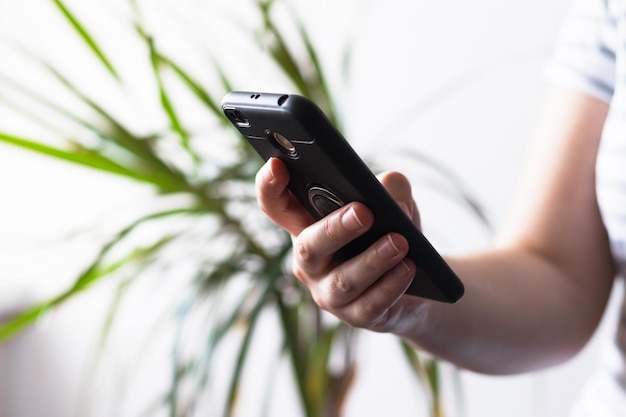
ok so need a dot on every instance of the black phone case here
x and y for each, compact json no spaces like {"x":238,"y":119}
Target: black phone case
{"x":326,"y":173}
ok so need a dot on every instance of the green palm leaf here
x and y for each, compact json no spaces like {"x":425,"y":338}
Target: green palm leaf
{"x":86,"y":37}
{"x":219,"y":197}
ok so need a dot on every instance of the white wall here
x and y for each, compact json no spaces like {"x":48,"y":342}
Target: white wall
{"x":460,"y":81}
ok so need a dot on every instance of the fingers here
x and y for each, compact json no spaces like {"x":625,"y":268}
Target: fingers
{"x":348,"y":281}
{"x":400,"y":189}
{"x":363,"y":290}
{"x":360,"y":291}
{"x":315,"y":248}
{"x":377,"y":307}
{"x":276,"y":201}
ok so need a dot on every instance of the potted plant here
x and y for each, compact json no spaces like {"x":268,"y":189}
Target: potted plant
{"x":204,"y":216}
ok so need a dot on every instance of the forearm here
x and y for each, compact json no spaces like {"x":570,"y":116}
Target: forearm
{"x":536,"y":299}
{"x":519,"y":313}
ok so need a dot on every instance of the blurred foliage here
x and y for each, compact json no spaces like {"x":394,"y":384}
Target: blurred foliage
{"x":237,"y":259}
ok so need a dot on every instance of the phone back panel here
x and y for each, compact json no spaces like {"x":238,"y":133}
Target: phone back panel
{"x":324,"y":160}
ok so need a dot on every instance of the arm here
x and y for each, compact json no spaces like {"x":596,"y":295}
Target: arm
{"x":533,"y":300}
{"x":536,"y":299}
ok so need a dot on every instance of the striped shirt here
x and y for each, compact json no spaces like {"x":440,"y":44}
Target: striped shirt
{"x":591,"y":56}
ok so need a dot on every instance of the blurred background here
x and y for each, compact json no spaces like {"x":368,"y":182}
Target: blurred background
{"x":457,"y":82}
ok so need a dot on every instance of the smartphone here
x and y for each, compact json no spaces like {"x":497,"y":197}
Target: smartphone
{"x":326,"y":173}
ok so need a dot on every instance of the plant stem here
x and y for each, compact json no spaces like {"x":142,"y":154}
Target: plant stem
{"x":297,"y":362}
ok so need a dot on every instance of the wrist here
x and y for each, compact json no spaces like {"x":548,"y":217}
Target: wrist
{"x":414,"y":319}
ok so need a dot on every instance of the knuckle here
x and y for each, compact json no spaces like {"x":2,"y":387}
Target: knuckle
{"x":339,"y":284}
{"x":335,"y":291}
{"x":303,"y":252}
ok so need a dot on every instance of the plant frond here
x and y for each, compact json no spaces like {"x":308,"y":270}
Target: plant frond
{"x":86,"y":37}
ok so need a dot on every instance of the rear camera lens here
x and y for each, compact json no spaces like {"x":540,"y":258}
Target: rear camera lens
{"x":284,"y":144}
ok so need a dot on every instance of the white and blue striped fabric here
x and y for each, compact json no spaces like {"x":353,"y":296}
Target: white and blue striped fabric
{"x":591,"y":56}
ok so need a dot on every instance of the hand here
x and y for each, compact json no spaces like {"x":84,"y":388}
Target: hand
{"x":365,"y":291}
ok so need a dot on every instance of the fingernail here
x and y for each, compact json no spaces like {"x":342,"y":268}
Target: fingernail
{"x":387,"y":248}
{"x":351,"y":221}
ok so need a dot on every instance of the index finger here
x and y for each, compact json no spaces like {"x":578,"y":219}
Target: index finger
{"x":317,"y":245}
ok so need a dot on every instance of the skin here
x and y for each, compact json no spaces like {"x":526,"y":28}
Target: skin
{"x":531,"y":301}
